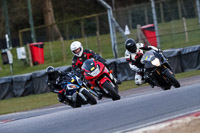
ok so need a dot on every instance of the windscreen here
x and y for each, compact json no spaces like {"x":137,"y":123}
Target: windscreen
{"x":148,"y":56}
{"x":88,"y":65}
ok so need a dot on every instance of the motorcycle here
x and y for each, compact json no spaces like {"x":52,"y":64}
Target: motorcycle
{"x":158,"y":71}
{"x":76,"y":93}
{"x":100,"y":78}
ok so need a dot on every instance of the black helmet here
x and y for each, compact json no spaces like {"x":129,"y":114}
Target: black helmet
{"x":50,"y":69}
{"x":130,"y":45}
{"x":51,"y":73}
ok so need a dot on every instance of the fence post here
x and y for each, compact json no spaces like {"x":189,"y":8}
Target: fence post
{"x":67,"y":31}
{"x":198,"y":9}
{"x":29,"y":54}
{"x":161,"y":12}
{"x":185,"y":29}
{"x":86,"y":42}
{"x":97,"y":24}
{"x":99,"y":44}
{"x":130,"y":19}
{"x":146,"y":14}
{"x":63,"y":50}
{"x":155,"y":22}
{"x":20,"y":38}
{"x":82,"y":28}
{"x":50,"y":46}
{"x":173,"y":32}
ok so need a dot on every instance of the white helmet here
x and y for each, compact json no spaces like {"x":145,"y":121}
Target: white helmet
{"x":76,"y":45}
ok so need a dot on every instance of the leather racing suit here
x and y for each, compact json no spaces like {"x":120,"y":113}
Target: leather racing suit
{"x":134,"y":60}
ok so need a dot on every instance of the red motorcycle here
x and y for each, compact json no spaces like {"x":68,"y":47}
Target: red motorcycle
{"x":100,"y":78}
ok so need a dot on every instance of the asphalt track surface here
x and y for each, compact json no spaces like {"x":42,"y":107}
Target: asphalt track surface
{"x":136,"y":108}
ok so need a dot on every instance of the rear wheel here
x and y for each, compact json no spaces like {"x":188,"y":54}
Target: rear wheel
{"x":111,"y":90}
{"x":172,"y":79}
{"x":90,"y":98}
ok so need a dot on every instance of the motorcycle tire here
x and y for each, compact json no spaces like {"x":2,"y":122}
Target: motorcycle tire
{"x":111,"y":90}
{"x":90,"y":98}
{"x":166,"y":88}
{"x":76,"y":105}
{"x":172,"y":79}
{"x":116,"y":88}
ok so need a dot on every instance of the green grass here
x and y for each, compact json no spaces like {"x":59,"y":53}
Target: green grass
{"x":167,"y":38}
{"x":42,"y":100}
{"x":27,"y":103}
{"x":131,"y":84}
{"x":171,"y":36}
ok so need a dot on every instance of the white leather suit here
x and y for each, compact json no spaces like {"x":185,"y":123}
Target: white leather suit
{"x":134,"y":60}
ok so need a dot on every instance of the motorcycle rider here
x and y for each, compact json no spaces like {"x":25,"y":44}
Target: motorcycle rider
{"x":54,"y":77}
{"x":133,"y":54}
{"x":81,"y":55}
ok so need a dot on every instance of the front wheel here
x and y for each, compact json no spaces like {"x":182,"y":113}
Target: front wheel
{"x":89,"y":97}
{"x":172,"y":79}
{"x":111,"y":90}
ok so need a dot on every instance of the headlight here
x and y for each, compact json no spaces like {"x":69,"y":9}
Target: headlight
{"x":156,"y":62}
{"x":72,"y":86}
{"x":95,"y":72}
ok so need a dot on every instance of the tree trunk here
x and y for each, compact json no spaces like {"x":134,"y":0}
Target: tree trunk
{"x":49,"y":19}
{"x":52,"y":30}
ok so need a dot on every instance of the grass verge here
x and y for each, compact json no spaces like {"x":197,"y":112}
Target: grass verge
{"x":171,"y":33}
{"x":41,"y":100}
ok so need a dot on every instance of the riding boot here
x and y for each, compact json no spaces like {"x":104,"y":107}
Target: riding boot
{"x":61,"y":97}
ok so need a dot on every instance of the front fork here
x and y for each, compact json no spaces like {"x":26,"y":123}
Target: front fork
{"x":163,"y":72}
{"x":81,"y":94}
{"x":95,"y":93}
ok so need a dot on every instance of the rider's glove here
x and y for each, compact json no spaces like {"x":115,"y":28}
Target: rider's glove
{"x":62,"y":91}
{"x":99,"y":58}
{"x":96,"y":57}
{"x":154,"y":48}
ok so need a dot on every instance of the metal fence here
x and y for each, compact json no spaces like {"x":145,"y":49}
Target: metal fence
{"x":177,"y":24}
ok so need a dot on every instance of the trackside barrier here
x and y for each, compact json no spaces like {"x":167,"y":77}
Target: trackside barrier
{"x":181,"y":60}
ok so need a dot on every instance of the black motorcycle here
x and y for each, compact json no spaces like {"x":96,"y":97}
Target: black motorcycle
{"x":158,"y":71}
{"x":76,"y":93}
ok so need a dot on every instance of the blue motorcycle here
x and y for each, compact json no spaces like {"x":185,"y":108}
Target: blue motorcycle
{"x":76,"y":93}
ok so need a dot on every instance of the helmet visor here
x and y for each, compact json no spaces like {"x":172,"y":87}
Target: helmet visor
{"x":77,"y":51}
{"x":132,"y":49}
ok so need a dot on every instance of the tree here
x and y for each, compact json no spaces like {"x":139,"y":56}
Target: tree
{"x":52,"y":30}
{"x":49,"y":20}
